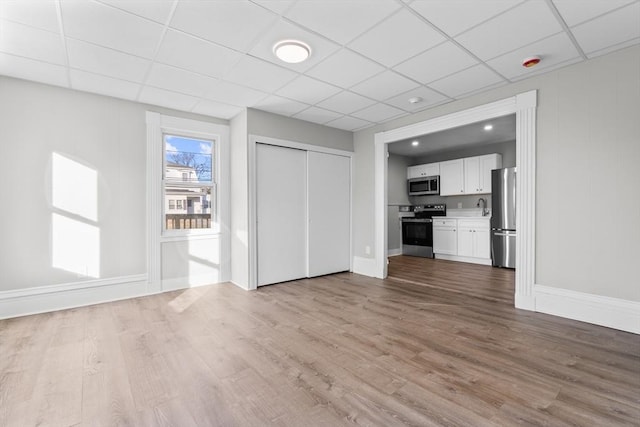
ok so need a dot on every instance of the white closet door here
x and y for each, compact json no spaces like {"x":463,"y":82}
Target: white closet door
{"x":281,"y":214}
{"x":329,"y":207}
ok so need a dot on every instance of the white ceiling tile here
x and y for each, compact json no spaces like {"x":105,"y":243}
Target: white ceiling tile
{"x":89,"y":82}
{"x":36,"y":13}
{"x":345,"y":69}
{"x":194,"y":54}
{"x":317,"y":115}
{"x":108,"y":62}
{"x":529,"y":22}
{"x":178,"y":80}
{"x":233,"y":94}
{"x":348,"y":123}
{"x":611,"y":29}
{"x":577,"y":11}
{"x":456,"y":16}
{"x":156,"y":10}
{"x":277,"y":6}
{"x":308,"y":90}
{"x":106,"y":26}
{"x":436,"y":63}
{"x":341,"y":21}
{"x":384,"y":85}
{"x":346,"y":102}
{"x":232,"y":23}
{"x":216,"y":109}
{"x":37,"y":71}
{"x":165,"y":98}
{"x":553,"y":50}
{"x":378,"y":113}
{"x":429,"y":98}
{"x":399,"y":37}
{"x":259,"y":74}
{"x":22,"y":40}
{"x":278,"y":105}
{"x":283,"y":30}
{"x":469,"y":80}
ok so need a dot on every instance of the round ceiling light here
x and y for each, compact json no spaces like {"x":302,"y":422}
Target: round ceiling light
{"x":415,"y":143}
{"x":488,"y":127}
{"x":292,"y":51}
{"x":415,"y":100}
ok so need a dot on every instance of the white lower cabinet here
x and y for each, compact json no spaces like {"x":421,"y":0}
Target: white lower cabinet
{"x":462,"y":239}
{"x":444,"y":236}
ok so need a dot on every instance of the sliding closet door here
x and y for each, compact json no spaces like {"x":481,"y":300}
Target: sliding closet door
{"x":329,"y":194}
{"x":281,"y":213}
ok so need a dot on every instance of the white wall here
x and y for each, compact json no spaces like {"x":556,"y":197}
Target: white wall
{"x":587,"y":228}
{"x":239,"y":201}
{"x":92,"y":135}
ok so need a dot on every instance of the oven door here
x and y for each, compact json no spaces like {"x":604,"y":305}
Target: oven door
{"x":417,"y":231}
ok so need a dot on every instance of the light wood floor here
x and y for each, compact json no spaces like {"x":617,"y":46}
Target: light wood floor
{"x":439,"y":343}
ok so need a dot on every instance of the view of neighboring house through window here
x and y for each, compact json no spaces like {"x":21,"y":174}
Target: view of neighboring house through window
{"x":189,"y":183}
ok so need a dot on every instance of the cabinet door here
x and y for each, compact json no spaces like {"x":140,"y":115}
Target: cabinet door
{"x":472,"y":175}
{"x":465,"y":241}
{"x":329,"y":207}
{"x":445,"y":240}
{"x":414,"y":171}
{"x":482,"y":244}
{"x":432,"y":169}
{"x":452,"y":177}
{"x":486,"y":165}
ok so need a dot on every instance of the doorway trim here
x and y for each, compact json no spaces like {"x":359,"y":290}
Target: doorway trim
{"x":524,"y":106}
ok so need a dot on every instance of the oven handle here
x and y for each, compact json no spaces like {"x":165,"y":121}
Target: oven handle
{"x":416,"y":220}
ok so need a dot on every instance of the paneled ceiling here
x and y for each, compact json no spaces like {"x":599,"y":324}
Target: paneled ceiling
{"x":369,"y":57}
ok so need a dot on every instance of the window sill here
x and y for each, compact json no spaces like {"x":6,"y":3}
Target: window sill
{"x":176,"y":236}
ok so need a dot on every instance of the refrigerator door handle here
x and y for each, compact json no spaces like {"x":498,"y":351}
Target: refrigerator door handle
{"x":504,"y":234}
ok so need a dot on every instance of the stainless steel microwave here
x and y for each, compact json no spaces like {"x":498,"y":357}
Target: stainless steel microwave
{"x":424,"y":186}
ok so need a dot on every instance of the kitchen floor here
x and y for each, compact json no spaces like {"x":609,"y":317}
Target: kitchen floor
{"x":481,"y":281}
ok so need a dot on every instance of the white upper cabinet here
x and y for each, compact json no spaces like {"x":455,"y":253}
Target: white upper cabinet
{"x":452,"y":177}
{"x":477,"y":173}
{"x":419,"y":171}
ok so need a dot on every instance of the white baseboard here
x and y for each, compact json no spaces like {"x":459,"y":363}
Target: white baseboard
{"x":22,"y":302}
{"x":394,"y":252}
{"x":483,"y":261}
{"x":600,"y":310}
{"x":364,"y":266}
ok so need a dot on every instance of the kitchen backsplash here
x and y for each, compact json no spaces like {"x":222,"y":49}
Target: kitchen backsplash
{"x":452,"y":202}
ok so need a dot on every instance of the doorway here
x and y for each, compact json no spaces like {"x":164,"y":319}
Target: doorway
{"x":524,"y":107}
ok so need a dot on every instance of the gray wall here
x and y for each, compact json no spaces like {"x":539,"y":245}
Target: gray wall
{"x":587,"y":158}
{"x":276,"y":126}
{"x":239,"y":201}
{"x":97,"y":133}
{"x":397,"y":190}
{"x":508,"y":151}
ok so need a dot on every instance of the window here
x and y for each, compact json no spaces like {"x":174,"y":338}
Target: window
{"x":189,"y":179}
{"x":172,"y":204}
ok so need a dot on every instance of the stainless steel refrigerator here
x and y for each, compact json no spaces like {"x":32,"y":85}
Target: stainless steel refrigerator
{"x":503,"y":217}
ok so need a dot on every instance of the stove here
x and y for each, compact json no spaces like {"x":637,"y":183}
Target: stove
{"x":417,"y":232}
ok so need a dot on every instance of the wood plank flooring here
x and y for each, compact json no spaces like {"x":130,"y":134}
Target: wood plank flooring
{"x":437,"y":344}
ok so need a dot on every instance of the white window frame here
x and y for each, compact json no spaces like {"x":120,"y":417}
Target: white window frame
{"x":157,"y":126}
{"x":215,"y":177}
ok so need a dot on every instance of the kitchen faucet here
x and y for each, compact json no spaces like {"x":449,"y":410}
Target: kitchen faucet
{"x":484,"y":206}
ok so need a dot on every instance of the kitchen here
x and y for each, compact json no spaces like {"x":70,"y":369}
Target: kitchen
{"x":440,"y":197}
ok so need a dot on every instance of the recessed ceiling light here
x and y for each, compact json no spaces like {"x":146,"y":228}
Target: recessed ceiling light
{"x":415,"y":143}
{"x":488,"y":127}
{"x":415,"y":100}
{"x":292,"y":51}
